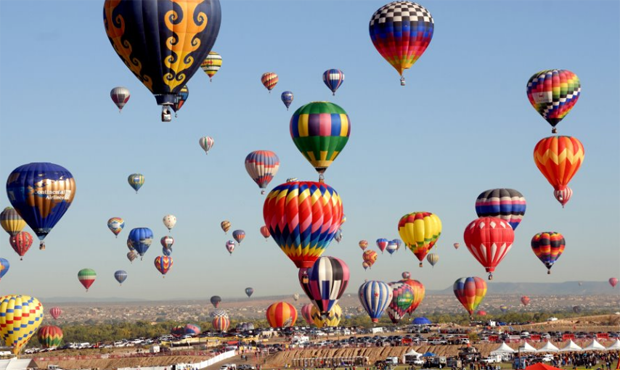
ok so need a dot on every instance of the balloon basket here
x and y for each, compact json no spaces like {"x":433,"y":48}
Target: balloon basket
{"x":21,"y":258}
{"x":490,"y":276}
{"x":262,"y":192}
{"x":402,"y":81}
{"x":548,"y":272}
{"x":420,"y":264}
{"x":554,"y":131}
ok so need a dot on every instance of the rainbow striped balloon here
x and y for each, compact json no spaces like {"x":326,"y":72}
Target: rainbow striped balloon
{"x":163,"y":264}
{"x":49,"y":336}
{"x":470,"y":291}
{"x":262,"y":166}
{"x":269,"y":80}
{"x":553,"y":93}
{"x":548,"y":247}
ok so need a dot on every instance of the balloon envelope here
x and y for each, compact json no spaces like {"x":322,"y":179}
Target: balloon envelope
{"x":120,"y":96}
{"x":120,"y":276}
{"x":238,"y":235}
{"x":163,"y":264}
{"x":55,"y":312}
{"x":49,"y":336}
{"x":4,"y":267}
{"x":136,"y":180}
{"x":332,"y":318}
{"x":281,"y":315}
{"x":548,"y":246}
{"x":375,"y":297}
{"x":287,"y":98}
{"x":488,"y":239}
{"x":206,"y":143}
{"x":140,"y":239}
{"x":249,"y":291}
{"x":225,"y":226}
{"x":211,"y":64}
{"x":507,"y":204}
{"x":116,"y":225}
{"x":11,"y":221}
{"x":169,"y":221}
{"x":420,"y":231}
{"x":470,"y":291}
{"x":269,"y":80}
{"x":613,"y":282}
{"x":20,"y":317}
{"x":333,"y":79}
{"x":262,"y":166}
{"x":325,"y":282}
{"x":87,"y":277}
{"x":215,"y":300}
{"x":553,"y":93}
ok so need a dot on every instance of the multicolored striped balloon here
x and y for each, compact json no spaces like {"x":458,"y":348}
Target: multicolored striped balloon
{"x":363,"y":244}
{"x":167,"y":241}
{"x":11,"y":221}
{"x":206,"y":143}
{"x":221,"y":323}
{"x":401,"y":32}
{"x":553,"y":93}
{"x":136,"y":180}
{"x":191,"y":329}
{"x":488,"y":239}
{"x":163,"y":264}
{"x":470,"y":291}
{"x":116,"y":225}
{"x":391,"y":247}
{"x":262,"y":166}
{"x":211,"y":64}
{"x":238,"y":235}
{"x":419,"y":291}
{"x":548,"y":246}
{"x":333,"y":79}
{"x":559,"y":158}
{"x":325,"y":282}
{"x":402,"y":299}
{"x":306,"y":313}
{"x":375,"y":297}
{"x":303,"y":218}
{"x":269,"y":80}
{"x":332,"y":318}
{"x":420,"y":231}
{"x":180,"y":99}
{"x":281,"y":315}
{"x":230,"y":246}
{"x":432,"y":258}
{"x":507,"y":204}
{"x":287,"y":98}
{"x":225,"y":225}
{"x":320,"y":130}
{"x":87,"y":277}
{"x":20,"y":317}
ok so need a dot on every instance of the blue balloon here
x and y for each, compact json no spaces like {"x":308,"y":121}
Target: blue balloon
{"x":375,"y":297}
{"x":4,"y":267}
{"x":41,"y":193}
{"x":167,"y":251}
{"x":333,"y":78}
{"x":249,"y":291}
{"x":120,"y":276}
{"x":140,"y":239}
{"x":287,"y":98}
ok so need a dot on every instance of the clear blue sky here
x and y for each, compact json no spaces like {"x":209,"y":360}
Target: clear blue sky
{"x":462,"y":125}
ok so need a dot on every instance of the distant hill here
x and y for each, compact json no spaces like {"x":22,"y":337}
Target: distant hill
{"x":565,"y":288}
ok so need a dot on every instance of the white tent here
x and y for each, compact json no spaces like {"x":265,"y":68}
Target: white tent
{"x":411,"y":355}
{"x":548,"y":347}
{"x":571,"y":346}
{"x":15,"y":364}
{"x":504,"y":348}
{"x":615,"y":346}
{"x":594,"y":346}
{"x":527,"y":348}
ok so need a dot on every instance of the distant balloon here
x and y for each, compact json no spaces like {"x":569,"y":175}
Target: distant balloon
{"x":470,"y":291}
{"x":249,"y":291}
{"x":132,"y":255}
{"x":369,"y":257}
{"x":140,"y":239}
{"x":363,"y":244}
{"x":167,"y":242}
{"x":382,"y":244}
{"x":432,"y":258}
{"x":4,"y":267}
{"x":488,"y":239}
{"x":221,"y":323}
{"x":230,"y":246}
{"x":503,"y":308}
{"x":225,"y":226}
{"x":406,"y":275}
{"x":206,"y":143}
{"x":215,"y":300}
{"x":170,"y":221}
{"x":613,"y":282}
{"x":577,"y":309}
{"x":87,"y":277}
{"x":21,"y":243}
{"x":344,"y":219}
{"x":269,"y":80}
{"x":192,"y":330}
{"x":398,"y":243}
{"x":553,"y":93}
{"x":11,"y":221}
{"x":525,"y":300}
{"x":325,"y":282}
{"x":481,"y":313}
{"x":55,"y":312}
{"x":391,"y":247}
{"x":306,"y":313}
{"x":20,"y":316}
{"x":365,"y":265}
{"x":507,"y":204}
{"x":211,"y":64}
{"x":456,"y":245}
{"x":338,"y":236}
{"x":287,"y":98}
{"x":375,"y":296}
{"x":120,"y":96}
{"x":238,"y":235}
{"x":281,"y":315}
{"x":180,"y":99}
{"x":136,"y":180}
{"x":264,"y":231}
{"x":262,"y":166}
{"x":420,"y":231}
{"x":548,"y":247}
{"x":166,"y":251}
{"x":120,"y":276}
{"x":333,"y":79}
{"x":330,"y":319}
{"x":116,"y":225}
{"x":163,"y":264}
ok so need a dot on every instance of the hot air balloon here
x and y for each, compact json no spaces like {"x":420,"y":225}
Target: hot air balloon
{"x":291,"y":179}
{"x":306,"y":313}
{"x":238,"y":235}
{"x":206,"y":143}
{"x":391,"y":247}
{"x":120,"y":276}
{"x":401,"y":32}
{"x":419,"y":231}
{"x":503,"y":308}
{"x":577,"y":309}
{"x":230,"y":246}
{"x":116,"y":225}
{"x":180,"y":99}
{"x":398,"y":243}
{"x":20,"y":317}
{"x":382,"y":244}
{"x":130,"y":246}
{"x":249,"y":291}
{"x":225,"y":226}
{"x":167,"y":242}
{"x":140,"y":239}
{"x":470,"y":291}
{"x":548,"y":247}
{"x":333,"y":79}
{"x":163,"y":264}
{"x":21,"y":243}
{"x":211,"y":64}
{"x":221,"y":323}
{"x":525,"y":300}
{"x":41,"y":193}
{"x":613,"y":282}
{"x":262,"y":166}
{"x":365,"y":265}
{"x":553,"y":93}
{"x":507,"y":204}
{"x":177,"y":331}
{"x":338,"y":236}
{"x":369,"y":257}
{"x":264,"y":231}
{"x":136,"y":180}
{"x":303,"y":218}
{"x":169,"y":221}
{"x":166,"y":251}
{"x":419,"y":291}
{"x":332,"y":318}
{"x":402,"y":298}
{"x":406,"y":275}
{"x":11,"y":221}
{"x":375,"y":297}
{"x":162,"y":42}
{"x":363,"y":244}
{"x":281,"y":315}
{"x":269,"y":80}
{"x":481,"y":313}
{"x":190,"y":329}
{"x":488,"y":239}
{"x":320,"y":130}
{"x":456,"y":245}
{"x":55,"y":312}
{"x":287,"y":98}
{"x":215,"y":300}
{"x":87,"y":277}
{"x":344,"y":219}
{"x":120,"y":97}
{"x":325,"y":282}
{"x":432,"y":258}
{"x":558,"y":158}
{"x":4,"y":267}
{"x":132,"y":255}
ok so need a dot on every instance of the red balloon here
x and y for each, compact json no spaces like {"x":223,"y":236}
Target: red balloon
{"x":525,"y":300}
{"x":21,"y":243}
{"x":264,"y":230}
{"x":55,"y":312}
{"x":488,"y":240}
{"x":613,"y":281}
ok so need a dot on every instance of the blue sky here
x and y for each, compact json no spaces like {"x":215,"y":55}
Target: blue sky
{"x":462,"y":125}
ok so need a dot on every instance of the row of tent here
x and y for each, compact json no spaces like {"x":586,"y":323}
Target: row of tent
{"x":549,"y":347}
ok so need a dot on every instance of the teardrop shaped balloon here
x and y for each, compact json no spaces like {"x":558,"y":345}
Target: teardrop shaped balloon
{"x":11,"y":221}
{"x":20,"y":317}
{"x":406,"y":275}
{"x":391,"y":247}
{"x":548,"y":246}
{"x":419,"y":291}
{"x":333,"y":79}
{"x":4,"y":267}
{"x":249,"y":291}
{"x":41,"y":193}
{"x":230,"y":246}
{"x":180,"y":99}
{"x":489,"y":239}
{"x":375,"y":296}
{"x":456,"y":245}
{"x":140,"y":239}
{"x":162,"y":42}
{"x":21,"y":243}
{"x":563,"y":196}
{"x":262,"y":166}
{"x":225,"y":225}
{"x":525,"y":300}
{"x":559,"y":158}
{"x":325,"y":282}
{"x":398,"y":243}
{"x":269,"y":80}
{"x":507,"y":204}
{"x":120,"y":96}
{"x":136,"y":180}
{"x":206,"y":143}
{"x":163,"y":264}
{"x":401,"y":31}
{"x":432,"y":258}
{"x":50,"y":336}
{"x":215,"y":300}
{"x":87,"y":277}
{"x":287,"y":98}
{"x":116,"y":225}
{"x":120,"y":276}
{"x":382,"y":244}
{"x":303,"y":218}
{"x":320,"y":130}
{"x":167,"y":242}
{"x":55,"y":312}
{"x":211,"y":64}
{"x":420,"y":231}
{"x":553,"y":93}
{"x":170,"y":221}
{"x":365,"y":265}
{"x":470,"y":291}
{"x":613,"y":282}
{"x":363,"y":244}
{"x":369,"y":257}
{"x":132,"y":255}
{"x":264,"y":231}
{"x":238,"y":235}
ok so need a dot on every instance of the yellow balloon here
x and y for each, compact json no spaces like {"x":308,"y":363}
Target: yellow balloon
{"x":332,"y":319}
{"x":20,"y":317}
{"x":11,"y":221}
{"x":419,"y":231}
